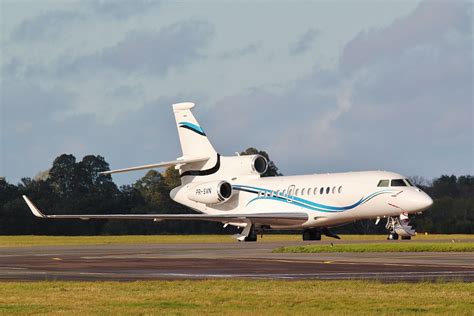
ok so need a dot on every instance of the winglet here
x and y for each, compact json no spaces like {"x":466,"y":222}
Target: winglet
{"x":33,"y":208}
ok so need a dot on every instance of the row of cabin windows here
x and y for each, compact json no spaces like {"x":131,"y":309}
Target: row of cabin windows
{"x":307,"y":191}
{"x":395,"y":183}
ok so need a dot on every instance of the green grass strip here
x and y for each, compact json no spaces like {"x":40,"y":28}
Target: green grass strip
{"x":32,"y":241}
{"x":236,"y":297}
{"x":407,"y":246}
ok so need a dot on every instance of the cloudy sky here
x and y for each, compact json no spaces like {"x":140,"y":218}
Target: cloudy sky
{"x":321,"y":86}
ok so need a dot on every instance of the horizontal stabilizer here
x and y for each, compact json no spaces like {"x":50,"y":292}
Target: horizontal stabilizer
{"x":297,"y":218}
{"x":157,"y":165}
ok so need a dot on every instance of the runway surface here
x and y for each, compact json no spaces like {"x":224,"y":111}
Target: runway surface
{"x":225,"y":260}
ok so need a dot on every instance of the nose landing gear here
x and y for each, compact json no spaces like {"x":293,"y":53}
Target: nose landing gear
{"x":399,"y":227}
{"x":392,"y":236}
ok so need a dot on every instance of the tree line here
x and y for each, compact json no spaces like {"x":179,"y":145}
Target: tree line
{"x":76,"y":187}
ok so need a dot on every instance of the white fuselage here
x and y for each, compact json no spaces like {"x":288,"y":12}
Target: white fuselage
{"x":328,"y":199}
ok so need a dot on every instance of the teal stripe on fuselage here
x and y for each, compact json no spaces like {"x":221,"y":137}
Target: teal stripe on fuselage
{"x":306,"y":203}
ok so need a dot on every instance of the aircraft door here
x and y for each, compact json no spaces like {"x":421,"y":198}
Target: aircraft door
{"x":289,"y":194}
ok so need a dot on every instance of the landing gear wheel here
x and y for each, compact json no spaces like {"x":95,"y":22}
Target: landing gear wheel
{"x":311,"y":234}
{"x":316,"y":234}
{"x":252,"y":236}
{"x":406,"y":237}
{"x":392,"y":236}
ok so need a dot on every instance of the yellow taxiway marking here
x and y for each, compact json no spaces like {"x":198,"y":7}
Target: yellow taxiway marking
{"x":327,"y":262}
{"x":57,"y":259}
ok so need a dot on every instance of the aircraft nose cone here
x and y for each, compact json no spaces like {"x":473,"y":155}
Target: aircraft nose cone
{"x":424,"y":201}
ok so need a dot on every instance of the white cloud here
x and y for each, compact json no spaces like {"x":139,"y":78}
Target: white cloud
{"x":49,"y":25}
{"x":387,"y":88}
{"x":152,"y":52}
{"x":304,"y":43}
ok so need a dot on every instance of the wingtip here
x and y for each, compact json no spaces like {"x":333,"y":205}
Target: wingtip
{"x":33,"y":207}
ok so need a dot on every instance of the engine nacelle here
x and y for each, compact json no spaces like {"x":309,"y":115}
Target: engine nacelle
{"x":245,"y":165}
{"x":259,"y":164}
{"x":214,"y":192}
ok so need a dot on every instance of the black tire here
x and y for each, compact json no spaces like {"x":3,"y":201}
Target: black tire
{"x":316,"y":235}
{"x":311,"y":234}
{"x":251,"y":238}
{"x":392,"y":236}
{"x":307,"y":234}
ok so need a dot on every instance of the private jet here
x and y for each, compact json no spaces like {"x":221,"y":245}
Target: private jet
{"x":230,"y":190}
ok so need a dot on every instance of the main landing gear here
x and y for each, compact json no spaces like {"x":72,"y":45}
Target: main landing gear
{"x":312,"y":234}
{"x":315,"y":234}
{"x":252,"y":234}
{"x":248,"y":234}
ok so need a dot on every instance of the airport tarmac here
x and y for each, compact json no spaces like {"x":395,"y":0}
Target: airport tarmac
{"x":225,"y":260}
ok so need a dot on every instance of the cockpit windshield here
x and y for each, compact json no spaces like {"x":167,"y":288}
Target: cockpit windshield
{"x":383,"y":183}
{"x":398,"y":183}
{"x":395,"y":183}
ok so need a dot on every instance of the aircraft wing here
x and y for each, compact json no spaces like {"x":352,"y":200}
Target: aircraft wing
{"x":275,"y":218}
{"x":157,"y":165}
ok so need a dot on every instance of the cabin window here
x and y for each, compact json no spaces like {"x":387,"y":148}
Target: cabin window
{"x":333,"y":190}
{"x":309,"y":191}
{"x":315,"y":191}
{"x":398,"y":183}
{"x":297,"y":191}
{"x":261,"y":193}
{"x":283,"y":192}
{"x":302,"y":191}
{"x":321,"y":191}
{"x":327,"y":190}
{"x":340,"y":189}
{"x":277,"y":193}
{"x":383,"y":183}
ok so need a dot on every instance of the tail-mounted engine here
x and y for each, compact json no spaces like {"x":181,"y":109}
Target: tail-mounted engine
{"x":214,"y":192}
{"x":245,"y":165}
{"x":259,"y":164}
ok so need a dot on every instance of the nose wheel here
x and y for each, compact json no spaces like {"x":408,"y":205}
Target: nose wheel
{"x":399,"y":227}
{"x":392,"y":236}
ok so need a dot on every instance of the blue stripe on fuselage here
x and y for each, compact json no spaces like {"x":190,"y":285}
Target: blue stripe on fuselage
{"x":303,"y":202}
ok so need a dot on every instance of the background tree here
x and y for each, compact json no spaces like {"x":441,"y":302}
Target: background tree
{"x":62,"y":175}
{"x":76,"y":187}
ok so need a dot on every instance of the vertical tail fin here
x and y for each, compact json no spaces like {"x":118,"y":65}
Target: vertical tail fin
{"x":194,"y":142}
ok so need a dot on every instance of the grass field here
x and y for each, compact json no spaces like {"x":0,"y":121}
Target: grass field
{"x":25,"y":241}
{"x":235,"y":297}
{"x":407,"y":246}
